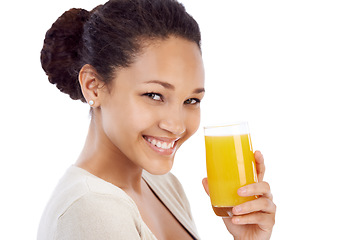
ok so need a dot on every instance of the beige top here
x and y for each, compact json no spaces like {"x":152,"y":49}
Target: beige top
{"x":84,"y":206}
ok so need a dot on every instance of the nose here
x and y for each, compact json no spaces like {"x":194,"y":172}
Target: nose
{"x":173,"y":121}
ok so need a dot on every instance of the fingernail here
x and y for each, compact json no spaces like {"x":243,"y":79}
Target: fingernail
{"x":236,"y":220}
{"x":237,"y":210}
{"x":242,"y":191}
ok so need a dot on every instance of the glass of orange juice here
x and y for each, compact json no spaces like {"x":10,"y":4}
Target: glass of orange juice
{"x":230,"y":165}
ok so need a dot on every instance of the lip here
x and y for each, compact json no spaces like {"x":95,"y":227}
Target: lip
{"x":162,"y":151}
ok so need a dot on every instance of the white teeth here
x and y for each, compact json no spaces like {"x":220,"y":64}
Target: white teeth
{"x":160,"y":144}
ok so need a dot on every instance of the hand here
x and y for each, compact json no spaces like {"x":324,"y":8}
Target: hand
{"x":255,"y":219}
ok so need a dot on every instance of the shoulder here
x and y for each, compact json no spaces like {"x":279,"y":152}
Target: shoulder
{"x":78,"y":185}
{"x":99,"y":216}
{"x":85,"y":206}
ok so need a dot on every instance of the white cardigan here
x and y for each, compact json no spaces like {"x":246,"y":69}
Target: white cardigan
{"x":84,"y":206}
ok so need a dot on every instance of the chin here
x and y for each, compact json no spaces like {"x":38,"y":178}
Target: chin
{"x":159,"y":169}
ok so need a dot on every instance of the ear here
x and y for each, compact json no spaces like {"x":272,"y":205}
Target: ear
{"x":90,"y":84}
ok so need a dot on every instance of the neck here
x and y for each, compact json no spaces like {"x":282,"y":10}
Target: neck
{"x":103,"y":159}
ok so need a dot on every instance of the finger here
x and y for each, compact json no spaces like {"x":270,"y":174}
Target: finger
{"x":262,"y":204}
{"x":254,"y":189}
{"x":260,"y":165}
{"x":206,"y":185}
{"x":264,"y":220}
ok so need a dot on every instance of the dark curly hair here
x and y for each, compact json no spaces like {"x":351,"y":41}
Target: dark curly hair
{"x":109,"y":36}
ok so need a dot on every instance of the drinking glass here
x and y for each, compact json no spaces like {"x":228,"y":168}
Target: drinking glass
{"x":230,"y":165}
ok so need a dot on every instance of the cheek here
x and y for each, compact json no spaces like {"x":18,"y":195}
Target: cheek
{"x":129,"y":120}
{"x":114,"y":123}
{"x":193,"y":121}
{"x":140,"y":118}
{"x":116,"y":120}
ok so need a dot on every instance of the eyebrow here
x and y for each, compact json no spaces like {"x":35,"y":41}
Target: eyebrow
{"x":199,"y":90}
{"x":164,"y":84}
{"x":171,"y":87}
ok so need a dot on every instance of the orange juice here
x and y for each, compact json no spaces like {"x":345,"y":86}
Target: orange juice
{"x":230,"y":165}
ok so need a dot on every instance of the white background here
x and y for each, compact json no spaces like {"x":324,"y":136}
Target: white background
{"x":290,"y":68}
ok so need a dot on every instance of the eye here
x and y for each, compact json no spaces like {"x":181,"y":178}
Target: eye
{"x":192,"y":101}
{"x":154,"y":96}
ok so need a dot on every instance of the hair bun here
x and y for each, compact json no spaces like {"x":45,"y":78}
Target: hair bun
{"x":60,"y":55}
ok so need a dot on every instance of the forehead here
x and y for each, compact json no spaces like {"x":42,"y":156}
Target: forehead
{"x":174,"y":60}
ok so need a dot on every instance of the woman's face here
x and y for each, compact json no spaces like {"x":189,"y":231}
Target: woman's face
{"x":153,"y":106}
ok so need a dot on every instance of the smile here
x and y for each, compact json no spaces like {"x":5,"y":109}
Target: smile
{"x":163,"y":144}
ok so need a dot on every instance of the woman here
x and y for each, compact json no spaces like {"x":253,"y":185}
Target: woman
{"x":138,"y":64}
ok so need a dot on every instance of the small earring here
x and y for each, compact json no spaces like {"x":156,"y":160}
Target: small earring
{"x":91,"y":102}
